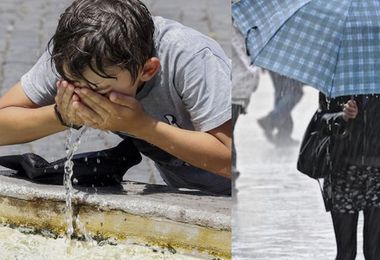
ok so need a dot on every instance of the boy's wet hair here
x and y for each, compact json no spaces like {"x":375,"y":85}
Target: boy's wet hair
{"x":97,"y":34}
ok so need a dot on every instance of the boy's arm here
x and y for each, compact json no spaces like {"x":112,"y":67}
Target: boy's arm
{"x":23,"y":121}
{"x":207,"y":150}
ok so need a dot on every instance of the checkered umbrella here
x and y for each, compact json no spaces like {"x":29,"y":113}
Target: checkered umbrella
{"x":333,"y":45}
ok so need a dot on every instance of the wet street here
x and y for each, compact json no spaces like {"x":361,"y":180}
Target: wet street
{"x":279,"y":213}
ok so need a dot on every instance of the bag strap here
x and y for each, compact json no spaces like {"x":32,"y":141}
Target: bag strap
{"x":326,"y":200}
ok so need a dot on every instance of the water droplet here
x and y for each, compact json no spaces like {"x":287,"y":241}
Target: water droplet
{"x":98,"y":161}
{"x":56,"y":167}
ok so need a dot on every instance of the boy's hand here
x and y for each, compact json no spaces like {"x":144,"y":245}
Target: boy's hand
{"x":64,"y":100}
{"x":350,"y":110}
{"x":117,"y":112}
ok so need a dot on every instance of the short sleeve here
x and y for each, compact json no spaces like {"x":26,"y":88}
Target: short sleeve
{"x":39,"y":82}
{"x":204,"y":84}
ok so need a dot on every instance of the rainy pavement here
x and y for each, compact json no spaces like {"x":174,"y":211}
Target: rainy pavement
{"x":279,"y":213}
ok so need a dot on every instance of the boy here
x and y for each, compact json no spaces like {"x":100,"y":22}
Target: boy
{"x":113,"y":67}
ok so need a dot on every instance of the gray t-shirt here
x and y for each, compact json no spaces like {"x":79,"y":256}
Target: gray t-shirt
{"x":192,"y":91}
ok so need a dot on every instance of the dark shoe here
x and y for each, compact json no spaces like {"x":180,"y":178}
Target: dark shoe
{"x":266,"y":124}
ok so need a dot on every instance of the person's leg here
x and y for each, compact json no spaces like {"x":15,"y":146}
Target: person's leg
{"x":179,"y":174}
{"x":279,"y":89}
{"x":194,"y":178}
{"x":267,"y":122}
{"x":371,"y":233}
{"x":345,"y":228}
{"x":288,"y":93}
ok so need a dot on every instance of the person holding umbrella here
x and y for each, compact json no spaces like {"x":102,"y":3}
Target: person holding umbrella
{"x":354,"y":184}
{"x":332,"y":45}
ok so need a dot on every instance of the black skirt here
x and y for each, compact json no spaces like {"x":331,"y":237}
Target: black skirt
{"x":352,"y":189}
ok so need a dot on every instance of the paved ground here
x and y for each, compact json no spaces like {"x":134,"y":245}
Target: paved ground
{"x":279,"y":212}
{"x":27,"y":25}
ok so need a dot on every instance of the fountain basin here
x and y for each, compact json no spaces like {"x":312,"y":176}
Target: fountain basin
{"x":181,"y":220}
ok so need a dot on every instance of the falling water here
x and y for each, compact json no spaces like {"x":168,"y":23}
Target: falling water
{"x":83,"y":230}
{"x":71,"y":147}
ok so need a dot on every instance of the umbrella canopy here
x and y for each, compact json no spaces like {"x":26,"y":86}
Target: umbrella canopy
{"x":333,"y":45}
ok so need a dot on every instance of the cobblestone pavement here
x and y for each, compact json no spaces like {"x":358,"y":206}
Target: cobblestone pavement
{"x":279,"y":214}
{"x":27,"y":25}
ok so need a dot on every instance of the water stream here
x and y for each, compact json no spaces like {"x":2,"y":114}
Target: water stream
{"x":72,"y":145}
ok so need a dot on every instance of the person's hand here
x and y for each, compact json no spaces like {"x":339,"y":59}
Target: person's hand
{"x":350,"y":110}
{"x":117,"y":112}
{"x":64,"y":99}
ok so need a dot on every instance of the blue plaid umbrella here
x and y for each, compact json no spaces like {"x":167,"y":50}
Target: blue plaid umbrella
{"x":333,"y":45}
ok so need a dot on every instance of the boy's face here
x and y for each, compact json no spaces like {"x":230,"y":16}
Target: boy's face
{"x":122,"y":83}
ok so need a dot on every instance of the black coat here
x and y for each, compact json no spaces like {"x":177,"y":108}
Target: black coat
{"x":361,"y":136}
